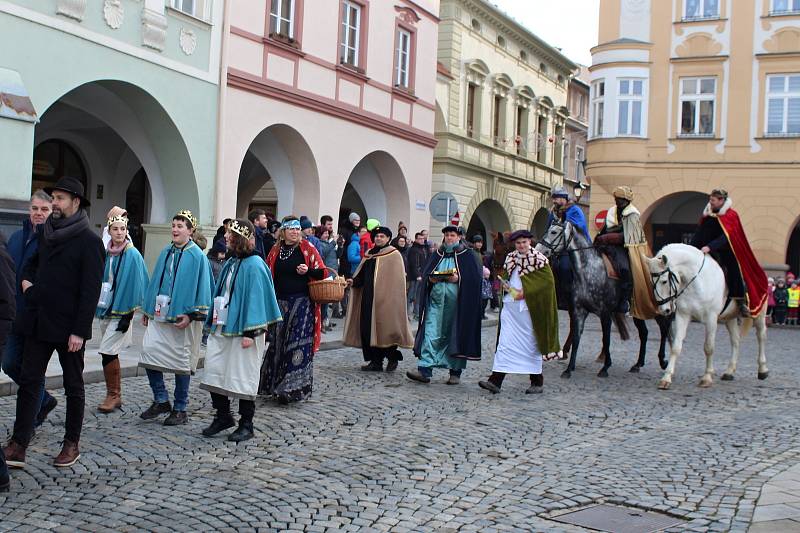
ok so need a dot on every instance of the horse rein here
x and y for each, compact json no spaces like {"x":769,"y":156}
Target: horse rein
{"x":557,"y":244}
{"x":672,"y":281}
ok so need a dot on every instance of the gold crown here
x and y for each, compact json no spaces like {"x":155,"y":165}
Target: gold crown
{"x":117,"y":218}
{"x":241,"y":229}
{"x":185,"y":213}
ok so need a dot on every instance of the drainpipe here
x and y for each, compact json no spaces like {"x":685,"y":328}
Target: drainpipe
{"x":223,"y":84}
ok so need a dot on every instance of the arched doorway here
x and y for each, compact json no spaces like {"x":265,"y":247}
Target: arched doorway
{"x":119,"y":141}
{"x":540,"y":223}
{"x":793,"y":250}
{"x":674,"y":218}
{"x":488,"y":219}
{"x":278,"y":174}
{"x":376,"y":188}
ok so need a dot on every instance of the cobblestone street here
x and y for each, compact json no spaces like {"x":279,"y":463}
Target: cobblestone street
{"x":380,"y":452}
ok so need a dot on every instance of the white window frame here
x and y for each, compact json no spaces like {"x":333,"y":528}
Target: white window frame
{"x":784,"y":96}
{"x":275,"y":17}
{"x":697,"y":97}
{"x":703,"y":5}
{"x":629,"y":99}
{"x":598,"y":107}
{"x":349,"y":31}
{"x":199,"y":8}
{"x":402,"y":76}
{"x":580,"y":154}
{"x":792,"y":7}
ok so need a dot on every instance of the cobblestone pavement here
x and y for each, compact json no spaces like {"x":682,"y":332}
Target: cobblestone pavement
{"x":378,"y":452}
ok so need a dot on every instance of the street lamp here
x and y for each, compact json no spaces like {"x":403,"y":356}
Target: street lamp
{"x":578,"y":190}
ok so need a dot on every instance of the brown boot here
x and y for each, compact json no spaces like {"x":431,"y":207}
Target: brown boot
{"x":113,"y":388}
{"x":14,"y":454}
{"x":69,"y":454}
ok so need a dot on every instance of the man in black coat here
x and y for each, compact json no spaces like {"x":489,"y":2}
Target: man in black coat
{"x":8,"y":311}
{"x":61,"y":284}
{"x":417,"y":257}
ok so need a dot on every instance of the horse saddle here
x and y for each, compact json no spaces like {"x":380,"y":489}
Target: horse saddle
{"x":610,"y":269}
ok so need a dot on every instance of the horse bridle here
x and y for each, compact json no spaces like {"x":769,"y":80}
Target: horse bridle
{"x":555,"y":245}
{"x":672,"y":282}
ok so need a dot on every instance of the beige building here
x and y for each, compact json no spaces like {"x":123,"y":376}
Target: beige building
{"x":501,"y":112}
{"x":689,"y":95}
{"x":577,"y":131}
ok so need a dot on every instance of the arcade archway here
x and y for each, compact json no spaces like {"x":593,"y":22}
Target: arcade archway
{"x":540,"y":223}
{"x":674,"y":218}
{"x":376,"y":188}
{"x":488,"y":219}
{"x":793,"y":250}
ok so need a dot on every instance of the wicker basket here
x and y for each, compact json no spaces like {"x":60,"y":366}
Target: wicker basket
{"x":327,"y":291}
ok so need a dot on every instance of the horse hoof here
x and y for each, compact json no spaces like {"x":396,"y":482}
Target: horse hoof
{"x":663,"y":364}
{"x":634,"y":369}
{"x":664,"y":384}
{"x":704,"y":383}
{"x":566,"y":374}
{"x":763,"y":375}
{"x":603,"y":373}
{"x":727,"y":377}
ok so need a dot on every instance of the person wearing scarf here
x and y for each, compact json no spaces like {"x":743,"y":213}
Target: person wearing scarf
{"x":449,"y":332}
{"x":288,"y":370}
{"x":176,"y":304}
{"x":244,"y":307}
{"x":61,"y":285}
{"x":122,"y":293}
{"x":528,"y":328}
{"x":379,"y":325}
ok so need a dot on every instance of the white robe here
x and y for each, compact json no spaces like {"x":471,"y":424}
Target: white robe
{"x":113,"y":341}
{"x":168,"y":349}
{"x":517,"y":351}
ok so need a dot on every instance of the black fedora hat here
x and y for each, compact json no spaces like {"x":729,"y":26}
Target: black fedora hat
{"x":520,"y":234}
{"x":70,"y":185}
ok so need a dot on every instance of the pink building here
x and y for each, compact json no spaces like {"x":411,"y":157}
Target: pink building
{"x":329,"y":107}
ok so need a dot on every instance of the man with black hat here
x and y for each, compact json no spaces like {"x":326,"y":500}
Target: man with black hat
{"x":61,"y":284}
{"x":379,"y":325}
{"x":449,"y":332}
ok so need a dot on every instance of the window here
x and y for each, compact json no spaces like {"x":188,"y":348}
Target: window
{"x":195,"y":8}
{"x":559,"y":157}
{"x":598,"y":107}
{"x":543,"y":68}
{"x":783,"y":105}
{"x":472,"y":89}
{"x":403,"y":59}
{"x":523,"y":55}
{"x":631,"y":95}
{"x":521,"y":130}
{"x":476,"y":25}
{"x":701,"y":9}
{"x":697,"y":106}
{"x":578,"y":162}
{"x":501,"y":42}
{"x":499,"y":120}
{"x":541,"y":130}
{"x":281,"y":18}
{"x":351,"y":33}
{"x":780,"y":7}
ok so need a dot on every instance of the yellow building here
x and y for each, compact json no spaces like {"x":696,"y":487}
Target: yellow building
{"x":690,"y":95}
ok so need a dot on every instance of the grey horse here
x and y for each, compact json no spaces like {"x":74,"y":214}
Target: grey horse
{"x":594,"y":292}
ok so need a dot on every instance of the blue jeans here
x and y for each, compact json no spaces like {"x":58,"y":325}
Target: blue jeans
{"x":412,"y":297}
{"x":12,"y":363}
{"x":160,"y":394}
{"x":427,"y":371}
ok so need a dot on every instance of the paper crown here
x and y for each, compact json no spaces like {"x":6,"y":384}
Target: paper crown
{"x":117,"y":218}
{"x":185,"y":213}
{"x":241,"y":229}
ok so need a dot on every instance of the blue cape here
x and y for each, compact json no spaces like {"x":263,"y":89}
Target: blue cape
{"x":575,"y":215}
{"x":191,"y":291}
{"x":252,"y":304}
{"x":129,"y":285}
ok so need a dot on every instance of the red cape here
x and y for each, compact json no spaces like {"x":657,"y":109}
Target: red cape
{"x":313,"y":260}
{"x":755,"y":278}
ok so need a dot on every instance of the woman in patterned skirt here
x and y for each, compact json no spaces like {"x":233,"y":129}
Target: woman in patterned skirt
{"x":288,"y":370}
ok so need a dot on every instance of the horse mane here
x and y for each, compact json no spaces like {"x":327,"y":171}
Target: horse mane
{"x":681,"y":257}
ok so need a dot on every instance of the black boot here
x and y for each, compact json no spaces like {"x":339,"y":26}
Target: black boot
{"x":373,"y":366}
{"x":537,"y":382}
{"x":155,"y":410}
{"x":243,"y":432}
{"x":221,"y":422}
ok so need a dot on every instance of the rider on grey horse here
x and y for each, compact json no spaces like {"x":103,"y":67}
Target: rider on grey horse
{"x":565,"y":211}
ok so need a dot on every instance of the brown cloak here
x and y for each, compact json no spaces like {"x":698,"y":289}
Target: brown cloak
{"x":389,"y":311}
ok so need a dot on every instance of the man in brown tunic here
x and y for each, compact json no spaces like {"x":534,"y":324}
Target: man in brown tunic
{"x":379,"y":326}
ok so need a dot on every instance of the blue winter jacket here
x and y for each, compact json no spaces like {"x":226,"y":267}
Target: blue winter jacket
{"x":354,"y":252}
{"x":22,"y":245}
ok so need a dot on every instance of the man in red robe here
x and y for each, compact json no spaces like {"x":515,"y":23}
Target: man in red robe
{"x":721,"y":234}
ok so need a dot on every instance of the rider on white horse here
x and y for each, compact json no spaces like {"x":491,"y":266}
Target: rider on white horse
{"x":721,"y":234}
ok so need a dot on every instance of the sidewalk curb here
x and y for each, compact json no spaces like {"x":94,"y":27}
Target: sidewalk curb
{"x":96,"y":376}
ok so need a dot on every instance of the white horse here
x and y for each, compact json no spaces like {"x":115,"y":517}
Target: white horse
{"x":691,"y":285}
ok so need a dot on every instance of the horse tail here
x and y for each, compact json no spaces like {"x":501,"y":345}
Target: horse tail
{"x":622,"y":326}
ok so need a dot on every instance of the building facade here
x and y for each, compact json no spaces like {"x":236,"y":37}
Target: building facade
{"x":121,"y":94}
{"x":691,"y":95}
{"x":501,"y":115}
{"x":329,"y":108}
{"x":577,"y":128}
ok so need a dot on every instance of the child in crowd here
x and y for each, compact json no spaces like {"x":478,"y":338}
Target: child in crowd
{"x":486,"y":291}
{"x":794,"y":303}
{"x":781,"y":295}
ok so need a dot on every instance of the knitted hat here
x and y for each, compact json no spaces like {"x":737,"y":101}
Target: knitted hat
{"x":372,"y":224}
{"x":354,"y":216}
{"x":305,"y":223}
